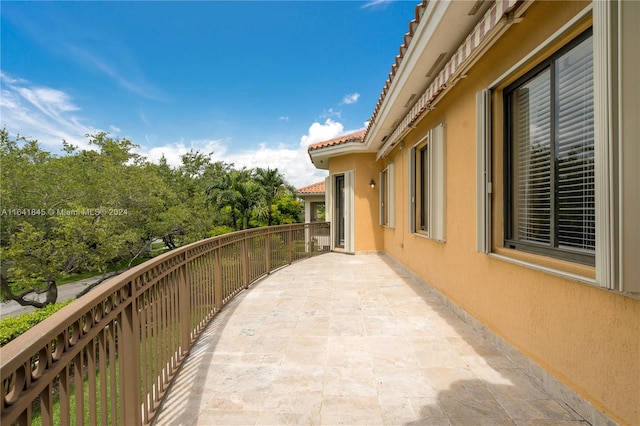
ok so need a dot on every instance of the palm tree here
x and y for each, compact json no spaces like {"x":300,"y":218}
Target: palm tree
{"x":236,"y":190}
{"x":271,"y":181}
{"x":247,"y":193}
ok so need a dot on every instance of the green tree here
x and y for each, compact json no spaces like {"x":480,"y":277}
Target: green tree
{"x":237,"y":192}
{"x":188,"y":216}
{"x":221,"y":195}
{"x":270,"y":182}
{"x":285,"y":208}
{"x":289,"y":209}
{"x":29,"y":189}
{"x":73,"y":213}
{"x":89,"y":209}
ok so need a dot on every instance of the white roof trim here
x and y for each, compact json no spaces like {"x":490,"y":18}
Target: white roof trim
{"x":482,"y":36}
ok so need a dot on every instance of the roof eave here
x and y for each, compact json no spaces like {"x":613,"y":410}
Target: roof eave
{"x":320,"y":156}
{"x":495,"y":22}
{"x":425,"y":55}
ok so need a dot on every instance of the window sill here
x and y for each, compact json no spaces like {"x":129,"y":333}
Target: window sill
{"x":549,"y":270}
{"x":560,"y":273}
{"x":427,"y":237}
{"x":566,"y":268}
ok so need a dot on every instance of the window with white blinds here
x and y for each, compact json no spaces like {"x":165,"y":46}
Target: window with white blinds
{"x":575,"y":149}
{"x":549,"y":122}
{"x":531,"y":188}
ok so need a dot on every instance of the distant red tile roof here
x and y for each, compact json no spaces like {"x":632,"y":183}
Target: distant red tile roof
{"x":351,"y":137}
{"x":315,"y":188}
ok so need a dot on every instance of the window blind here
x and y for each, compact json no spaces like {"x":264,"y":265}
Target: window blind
{"x":575,"y":150}
{"x":532,"y":160}
{"x":552,"y":182}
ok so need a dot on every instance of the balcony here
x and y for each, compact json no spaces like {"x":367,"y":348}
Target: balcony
{"x":331,"y":339}
{"x":342,"y":339}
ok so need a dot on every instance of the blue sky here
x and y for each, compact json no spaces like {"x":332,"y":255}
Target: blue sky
{"x":252,"y":82}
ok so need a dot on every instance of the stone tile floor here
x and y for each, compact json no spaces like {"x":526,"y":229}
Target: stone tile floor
{"x":353,"y":340}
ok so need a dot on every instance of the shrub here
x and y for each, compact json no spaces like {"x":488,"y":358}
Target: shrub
{"x":221,"y":230}
{"x":12,"y":327}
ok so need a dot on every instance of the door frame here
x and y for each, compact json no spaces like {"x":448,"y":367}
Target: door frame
{"x":348,"y":214}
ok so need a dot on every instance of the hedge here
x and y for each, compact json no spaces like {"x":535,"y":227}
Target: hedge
{"x":12,"y":327}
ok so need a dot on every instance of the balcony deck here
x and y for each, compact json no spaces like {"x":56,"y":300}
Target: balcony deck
{"x":340,"y":339}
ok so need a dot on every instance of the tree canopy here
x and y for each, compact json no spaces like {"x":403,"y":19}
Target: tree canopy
{"x":85,"y":210}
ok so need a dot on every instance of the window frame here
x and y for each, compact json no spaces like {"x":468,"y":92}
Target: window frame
{"x":616,"y":59}
{"x":421,"y":185}
{"x":427,"y":165}
{"x":586,"y":257}
{"x":314,"y":208}
{"x":387,"y":196}
{"x":349,"y":205}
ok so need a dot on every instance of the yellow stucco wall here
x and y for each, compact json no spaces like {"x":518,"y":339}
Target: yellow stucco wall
{"x":587,"y":337}
{"x":368,"y":234}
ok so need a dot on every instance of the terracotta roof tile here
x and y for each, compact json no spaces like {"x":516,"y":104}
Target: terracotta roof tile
{"x":419,"y":11}
{"x":314,"y":188}
{"x":351,"y":137}
{"x":360,"y":136}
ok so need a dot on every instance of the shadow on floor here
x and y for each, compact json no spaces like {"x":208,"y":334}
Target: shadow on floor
{"x":433,"y":369}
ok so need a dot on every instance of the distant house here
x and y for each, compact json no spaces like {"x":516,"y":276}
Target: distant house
{"x":500,"y":165}
{"x":314,"y":201}
{"x":314,"y":211}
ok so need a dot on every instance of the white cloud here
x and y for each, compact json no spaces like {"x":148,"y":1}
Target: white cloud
{"x":284,"y":118}
{"x":144,"y":118}
{"x":351,"y":99}
{"x":173,"y":151}
{"x":41,"y":113}
{"x":328,"y":113}
{"x":125,"y":73}
{"x":376,"y":3}
{"x":321,"y":132}
{"x":49,"y":101}
{"x":50,"y":116}
{"x":293,"y":162}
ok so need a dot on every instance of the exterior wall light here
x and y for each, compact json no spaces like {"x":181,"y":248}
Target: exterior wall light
{"x":372,"y":184}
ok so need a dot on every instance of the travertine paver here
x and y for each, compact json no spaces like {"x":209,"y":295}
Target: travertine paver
{"x":341,"y":339}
